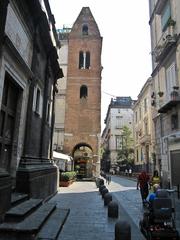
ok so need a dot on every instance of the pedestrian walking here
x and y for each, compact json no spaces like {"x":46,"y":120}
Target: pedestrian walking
{"x":155,"y":179}
{"x":143,"y":184}
{"x":130,"y":172}
{"x":108,"y":179}
{"x":126,"y":172}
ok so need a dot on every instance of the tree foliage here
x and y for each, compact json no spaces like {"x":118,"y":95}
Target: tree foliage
{"x":126,"y":153}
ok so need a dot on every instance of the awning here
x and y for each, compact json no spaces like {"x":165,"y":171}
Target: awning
{"x":61,"y":156}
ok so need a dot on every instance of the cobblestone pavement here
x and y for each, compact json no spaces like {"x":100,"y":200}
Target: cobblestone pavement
{"x":88,"y":218}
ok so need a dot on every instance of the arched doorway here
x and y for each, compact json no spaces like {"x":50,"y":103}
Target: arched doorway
{"x":83,"y":160}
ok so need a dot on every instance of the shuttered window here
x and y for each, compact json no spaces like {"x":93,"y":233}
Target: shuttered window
{"x":170,"y":79}
{"x":166,"y":15}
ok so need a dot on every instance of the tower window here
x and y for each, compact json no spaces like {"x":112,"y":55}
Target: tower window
{"x":87,"y":60}
{"x":81,"y":60}
{"x":83,"y":91}
{"x":84,"y":60}
{"x":85,"y":30}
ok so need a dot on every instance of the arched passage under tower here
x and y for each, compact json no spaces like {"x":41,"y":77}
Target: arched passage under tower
{"x":83,"y":160}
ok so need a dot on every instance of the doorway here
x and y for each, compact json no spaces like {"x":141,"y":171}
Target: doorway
{"x":83,"y":161}
{"x":7,"y":121}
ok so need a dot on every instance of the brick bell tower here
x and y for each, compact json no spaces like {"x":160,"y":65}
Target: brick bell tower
{"x":83,"y":96}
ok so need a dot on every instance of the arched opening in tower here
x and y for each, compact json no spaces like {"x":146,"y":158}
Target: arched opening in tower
{"x":83,"y":160}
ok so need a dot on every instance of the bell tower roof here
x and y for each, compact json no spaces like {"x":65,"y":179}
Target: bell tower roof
{"x":85,"y":25}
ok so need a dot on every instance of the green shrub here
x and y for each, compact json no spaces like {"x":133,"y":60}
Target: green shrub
{"x":67,"y":176}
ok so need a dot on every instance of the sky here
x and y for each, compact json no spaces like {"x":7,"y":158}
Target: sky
{"x":126,"y":57}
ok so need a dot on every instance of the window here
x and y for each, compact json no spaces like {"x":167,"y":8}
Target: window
{"x":170,"y":79}
{"x":83,"y":91}
{"x":165,"y":15}
{"x":37,"y":101}
{"x":81,"y":60}
{"x":174,"y":121}
{"x":85,"y":30}
{"x":145,"y":105}
{"x":2,"y":121}
{"x":137,"y":135}
{"x":146,"y":127}
{"x":136,"y":117}
{"x":119,"y":122}
{"x":84,"y":60}
{"x":139,"y":113}
{"x":48,"y":112}
{"x":142,"y":157}
{"x":137,"y":155}
{"x":118,"y":142}
{"x":87,"y":62}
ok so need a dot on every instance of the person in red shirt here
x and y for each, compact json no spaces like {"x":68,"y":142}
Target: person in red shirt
{"x":143,"y":184}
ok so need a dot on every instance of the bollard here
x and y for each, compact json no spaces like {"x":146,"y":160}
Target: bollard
{"x":104,"y":191}
{"x":107,"y":199}
{"x":113,"y":209}
{"x":101,"y":188}
{"x":101,"y":181}
{"x":122,"y":230}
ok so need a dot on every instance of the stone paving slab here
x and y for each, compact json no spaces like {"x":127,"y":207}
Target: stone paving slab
{"x":88,"y":218}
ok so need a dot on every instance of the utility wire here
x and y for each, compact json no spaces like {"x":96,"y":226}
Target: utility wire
{"x":109,"y":94}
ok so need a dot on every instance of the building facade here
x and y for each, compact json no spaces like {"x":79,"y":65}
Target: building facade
{"x":119,"y":114}
{"x":83,"y":95}
{"x":144,"y":135}
{"x":28,"y":73}
{"x":165,"y":43}
{"x":60,"y":102}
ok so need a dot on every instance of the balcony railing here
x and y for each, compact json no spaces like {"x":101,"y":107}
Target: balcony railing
{"x":171,"y":100}
{"x":167,"y":40}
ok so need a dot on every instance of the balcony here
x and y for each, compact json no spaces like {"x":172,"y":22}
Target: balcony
{"x":145,"y":139}
{"x":172,"y":100}
{"x":166,"y":42}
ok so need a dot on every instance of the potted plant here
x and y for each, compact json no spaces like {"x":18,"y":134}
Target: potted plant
{"x":67,"y":178}
{"x":171,"y":22}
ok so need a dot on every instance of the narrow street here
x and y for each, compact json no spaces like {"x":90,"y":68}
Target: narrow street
{"x":125,"y":192}
{"x":88,"y":218}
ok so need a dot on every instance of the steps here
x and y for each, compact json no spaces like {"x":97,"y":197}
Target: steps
{"x":17,"y":198}
{"x":53,"y":225}
{"x":19,"y":212}
{"x":32,"y":220}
